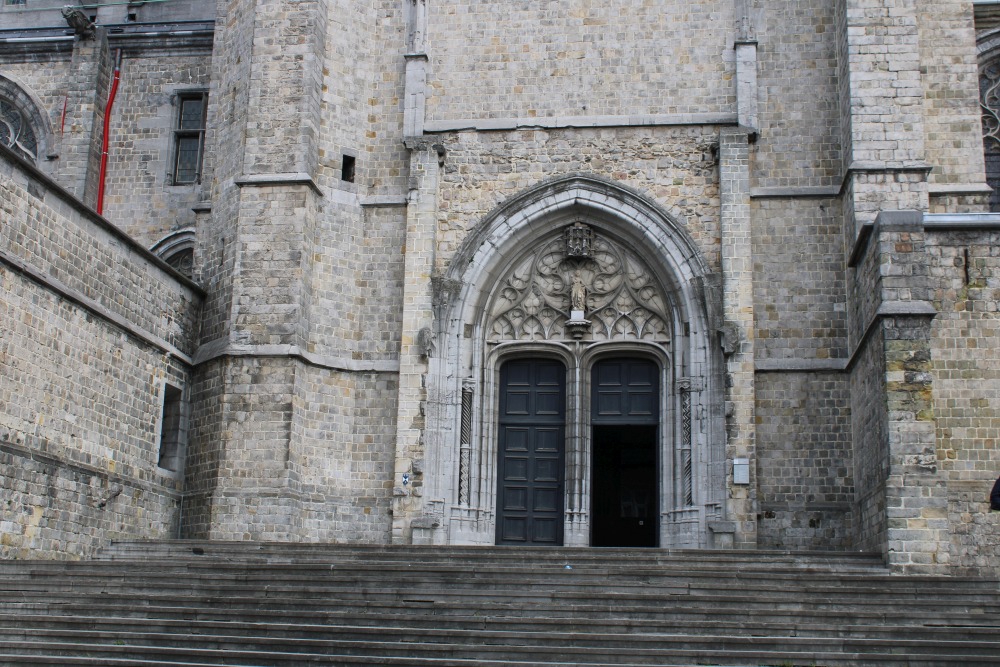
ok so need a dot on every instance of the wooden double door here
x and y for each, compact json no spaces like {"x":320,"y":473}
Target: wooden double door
{"x":531,"y":452}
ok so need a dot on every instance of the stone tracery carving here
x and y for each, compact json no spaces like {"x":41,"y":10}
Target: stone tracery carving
{"x":611,"y":283}
{"x":989,"y":87}
{"x":15,"y":131}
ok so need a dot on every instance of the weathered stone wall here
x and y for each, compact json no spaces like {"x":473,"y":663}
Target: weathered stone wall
{"x":799,"y":144}
{"x":871,"y":444}
{"x":675,"y":166}
{"x":805,"y":462}
{"x":344,"y":432}
{"x":799,"y":280}
{"x":362,"y":113}
{"x":538,"y":59}
{"x":950,"y":76}
{"x":965,"y":276}
{"x":802,"y":409}
{"x":301,"y":347}
{"x":383,"y":163}
{"x":140,"y":196}
{"x":93,"y":326}
{"x":868,"y":412}
{"x":896,"y":470}
{"x":294,"y":453}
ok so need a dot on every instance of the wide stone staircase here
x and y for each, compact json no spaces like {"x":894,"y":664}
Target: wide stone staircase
{"x":212,"y":603}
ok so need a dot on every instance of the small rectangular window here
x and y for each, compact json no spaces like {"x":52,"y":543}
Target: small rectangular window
{"x":173,"y":430}
{"x":15,"y":2}
{"x":189,"y":138}
{"x":347,"y":168}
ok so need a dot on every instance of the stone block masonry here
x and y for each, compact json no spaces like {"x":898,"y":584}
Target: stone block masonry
{"x":805,"y":468}
{"x":544,"y":60}
{"x":93,"y":327}
{"x":964,"y":268}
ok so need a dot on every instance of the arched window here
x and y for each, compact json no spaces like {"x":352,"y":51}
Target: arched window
{"x":177,"y":250}
{"x":24,"y":127}
{"x":989,"y":100}
{"x":16,"y":132}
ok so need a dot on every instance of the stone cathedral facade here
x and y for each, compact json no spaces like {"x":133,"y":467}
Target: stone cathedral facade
{"x":647,"y":273}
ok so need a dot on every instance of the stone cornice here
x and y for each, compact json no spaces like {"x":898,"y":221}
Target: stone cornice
{"x":271,"y":180}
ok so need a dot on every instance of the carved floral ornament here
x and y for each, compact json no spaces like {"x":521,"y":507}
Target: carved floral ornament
{"x":620,"y":299}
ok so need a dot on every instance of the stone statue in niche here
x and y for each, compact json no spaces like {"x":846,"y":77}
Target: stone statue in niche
{"x":578,"y":293}
{"x":578,"y":324}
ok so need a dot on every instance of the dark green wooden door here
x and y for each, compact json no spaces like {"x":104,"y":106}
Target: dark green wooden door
{"x":531,"y":467}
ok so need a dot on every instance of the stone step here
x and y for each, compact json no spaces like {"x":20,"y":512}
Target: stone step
{"x":609,"y":556}
{"x":459,"y":566}
{"x":458,"y":574}
{"x":167,"y":620}
{"x":528,"y":601}
{"x":324,"y":580}
{"x":267,"y":604}
{"x":553,"y":617}
{"x":564,"y":588}
{"x":480,"y":655}
{"x":600,"y":637}
{"x":601,"y":646}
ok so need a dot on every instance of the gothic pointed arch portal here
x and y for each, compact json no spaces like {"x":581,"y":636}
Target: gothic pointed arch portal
{"x":578,"y":274}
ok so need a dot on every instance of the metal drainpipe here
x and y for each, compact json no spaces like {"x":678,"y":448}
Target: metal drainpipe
{"x":104,"y":140}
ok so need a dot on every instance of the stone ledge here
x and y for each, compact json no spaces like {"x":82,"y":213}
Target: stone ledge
{"x":385,"y":201}
{"x":876,"y":167}
{"x":891,"y":309}
{"x":941,"y":189}
{"x":803,"y":192}
{"x":224,"y":348}
{"x":885,"y":220}
{"x":722,"y":526}
{"x":961,"y":221}
{"x":785,"y":506}
{"x":271,"y":180}
{"x":567,"y":122}
{"x":800,"y":365}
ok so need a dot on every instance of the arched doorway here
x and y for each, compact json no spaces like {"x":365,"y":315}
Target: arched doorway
{"x":584,"y":274}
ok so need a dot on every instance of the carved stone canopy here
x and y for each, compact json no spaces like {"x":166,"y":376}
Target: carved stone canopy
{"x":578,"y":238}
{"x":621,"y":297}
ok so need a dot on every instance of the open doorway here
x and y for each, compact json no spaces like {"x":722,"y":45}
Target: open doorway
{"x":625,"y":490}
{"x":624,"y":471}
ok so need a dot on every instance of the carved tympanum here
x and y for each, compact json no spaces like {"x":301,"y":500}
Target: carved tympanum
{"x":621,"y":298}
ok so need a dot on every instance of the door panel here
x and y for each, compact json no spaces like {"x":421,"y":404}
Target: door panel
{"x":625,"y":391}
{"x":531,"y":466}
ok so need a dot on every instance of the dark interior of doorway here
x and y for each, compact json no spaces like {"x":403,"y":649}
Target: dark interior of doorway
{"x":626,"y":500}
